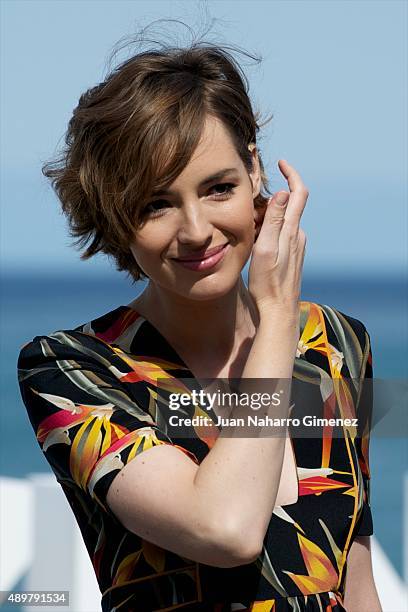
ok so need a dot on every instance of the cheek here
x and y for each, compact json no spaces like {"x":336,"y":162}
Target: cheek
{"x":142,"y":251}
{"x":241,"y":220}
{"x":147,"y":249}
{"x":145,"y":243}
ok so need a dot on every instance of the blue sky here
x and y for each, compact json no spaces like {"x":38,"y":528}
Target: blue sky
{"x":334,"y":75}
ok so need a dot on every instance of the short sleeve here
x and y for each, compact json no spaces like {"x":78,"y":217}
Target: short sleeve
{"x":364,"y":412}
{"x":91,"y":410}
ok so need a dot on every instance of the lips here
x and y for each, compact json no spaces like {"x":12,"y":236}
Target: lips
{"x":206,"y":264}
{"x":202,"y":255}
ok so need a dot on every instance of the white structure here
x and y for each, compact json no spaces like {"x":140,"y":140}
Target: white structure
{"x":45,"y":546}
{"x":48,"y":549}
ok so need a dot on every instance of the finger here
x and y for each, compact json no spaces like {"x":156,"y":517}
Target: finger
{"x":298,"y":193}
{"x":303,"y":250}
{"x":291,"y":175}
{"x":277,"y":204}
{"x":273,"y":222}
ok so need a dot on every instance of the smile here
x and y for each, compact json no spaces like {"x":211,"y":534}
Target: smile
{"x":205,"y":263}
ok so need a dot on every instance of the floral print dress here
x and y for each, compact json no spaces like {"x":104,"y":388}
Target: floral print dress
{"x":93,"y":396}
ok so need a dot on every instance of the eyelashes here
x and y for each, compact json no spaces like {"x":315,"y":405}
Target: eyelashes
{"x":229,"y":190}
{"x":225,"y":194}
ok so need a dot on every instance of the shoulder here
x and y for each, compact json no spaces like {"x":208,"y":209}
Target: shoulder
{"x":85,"y":357}
{"x":93,"y":339}
{"x":341,"y":334}
{"x":61,"y":344}
{"x":333,"y":317}
{"x":74,"y":370}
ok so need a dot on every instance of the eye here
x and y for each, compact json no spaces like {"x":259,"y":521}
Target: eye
{"x":154,"y":212}
{"x":227,"y":189}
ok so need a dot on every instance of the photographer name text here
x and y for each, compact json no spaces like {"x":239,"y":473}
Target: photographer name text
{"x":257,"y":421}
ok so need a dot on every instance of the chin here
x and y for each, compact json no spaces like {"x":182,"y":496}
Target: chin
{"x":202,"y":286}
{"x":202,"y":294}
{"x":209,"y":286}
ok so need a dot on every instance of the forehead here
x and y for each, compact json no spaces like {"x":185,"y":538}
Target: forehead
{"x":214,"y":151}
{"x":214,"y":136}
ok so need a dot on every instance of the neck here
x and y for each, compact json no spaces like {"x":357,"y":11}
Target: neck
{"x":217,"y":326}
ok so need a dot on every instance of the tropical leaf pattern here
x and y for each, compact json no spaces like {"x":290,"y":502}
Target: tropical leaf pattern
{"x":97,"y":396}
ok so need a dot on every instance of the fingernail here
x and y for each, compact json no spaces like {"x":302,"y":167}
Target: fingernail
{"x":282,"y":199}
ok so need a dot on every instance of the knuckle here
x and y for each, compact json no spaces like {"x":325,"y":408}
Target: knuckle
{"x":259,"y":249}
{"x":276,"y":220}
{"x":265,"y":253}
{"x":293,"y":237}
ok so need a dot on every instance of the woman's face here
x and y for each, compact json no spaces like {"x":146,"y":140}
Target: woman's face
{"x":201,"y":212}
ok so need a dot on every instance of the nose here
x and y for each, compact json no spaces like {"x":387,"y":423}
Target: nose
{"x":195,"y":226}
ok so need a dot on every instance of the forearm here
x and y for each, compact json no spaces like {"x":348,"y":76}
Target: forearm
{"x":239,"y":478}
{"x":360,"y":594}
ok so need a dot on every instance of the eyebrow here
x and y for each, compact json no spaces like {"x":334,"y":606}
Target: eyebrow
{"x":214,"y":177}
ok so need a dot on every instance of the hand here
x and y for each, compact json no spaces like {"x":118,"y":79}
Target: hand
{"x":274,"y":278}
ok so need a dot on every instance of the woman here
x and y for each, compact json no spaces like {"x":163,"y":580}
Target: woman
{"x":161,"y":171}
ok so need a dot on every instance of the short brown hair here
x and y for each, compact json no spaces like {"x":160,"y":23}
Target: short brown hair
{"x":136,"y":131}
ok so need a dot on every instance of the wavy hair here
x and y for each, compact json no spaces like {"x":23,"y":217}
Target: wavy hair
{"x":134,"y":133}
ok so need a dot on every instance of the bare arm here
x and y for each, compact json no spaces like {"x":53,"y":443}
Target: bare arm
{"x":242,"y":474}
{"x":360,"y":592}
{"x":218,"y":513}
{"x":201,"y":512}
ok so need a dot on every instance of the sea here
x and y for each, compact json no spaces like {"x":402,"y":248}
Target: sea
{"x":39,"y":303}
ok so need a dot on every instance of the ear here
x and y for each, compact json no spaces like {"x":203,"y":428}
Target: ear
{"x":259,"y":214}
{"x":255,"y":174}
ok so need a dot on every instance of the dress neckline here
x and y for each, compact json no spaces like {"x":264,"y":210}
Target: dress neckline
{"x":195,"y":383}
{"x":162,"y":338}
